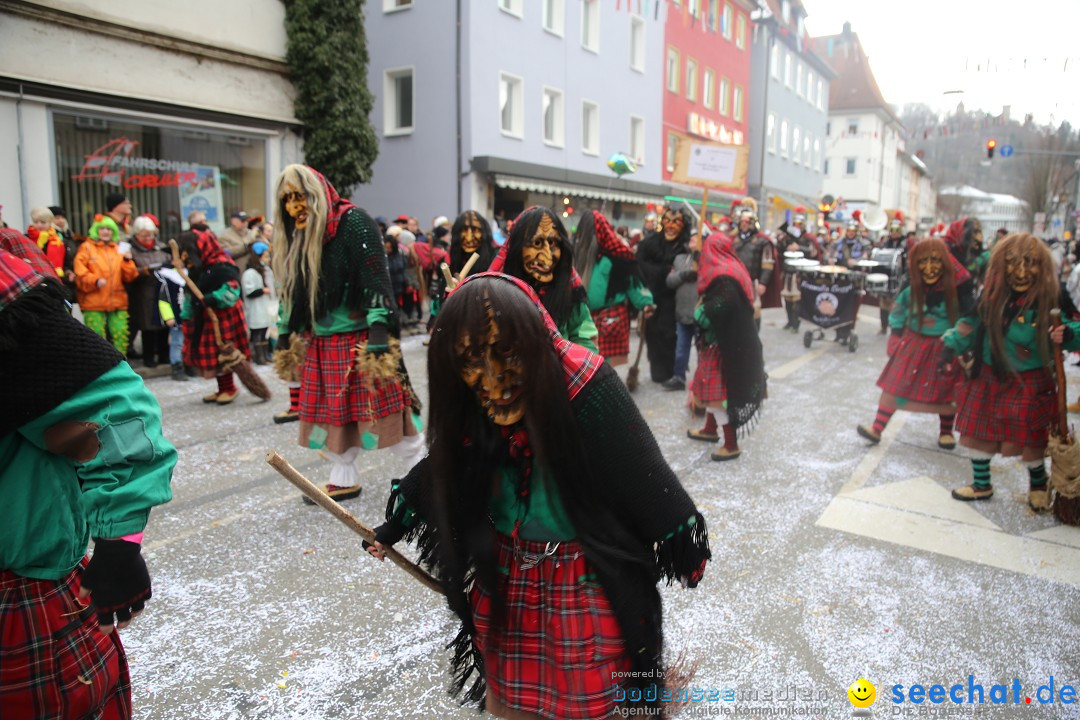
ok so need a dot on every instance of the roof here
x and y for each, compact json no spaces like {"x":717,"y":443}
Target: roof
{"x":965,"y":191}
{"x":854,"y":87}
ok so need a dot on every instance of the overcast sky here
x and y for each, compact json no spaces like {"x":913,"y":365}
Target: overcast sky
{"x":919,"y":49}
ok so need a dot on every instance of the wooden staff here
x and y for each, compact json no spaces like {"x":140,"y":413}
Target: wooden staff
{"x":1062,"y":390}
{"x":320,"y":498}
{"x":452,"y":281}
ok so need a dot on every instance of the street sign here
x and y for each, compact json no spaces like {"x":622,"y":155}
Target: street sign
{"x":1006,"y":150}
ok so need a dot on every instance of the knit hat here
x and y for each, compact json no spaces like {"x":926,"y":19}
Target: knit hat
{"x":441,"y":231}
{"x":16,"y":278}
{"x":57,"y":211}
{"x":258,"y":248}
{"x":442,"y":221}
{"x":406,"y":238}
{"x":112,"y":200}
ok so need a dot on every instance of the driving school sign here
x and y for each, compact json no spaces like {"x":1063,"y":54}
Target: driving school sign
{"x":115,"y":163}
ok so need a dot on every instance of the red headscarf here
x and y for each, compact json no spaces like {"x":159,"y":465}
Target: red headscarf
{"x":16,"y":278}
{"x":579,"y":364}
{"x":336,"y":207}
{"x":718,"y":258}
{"x":609,"y":242}
{"x":955,"y":234}
{"x":210,"y":250}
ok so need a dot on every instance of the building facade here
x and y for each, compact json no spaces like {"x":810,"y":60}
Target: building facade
{"x":474,"y":121}
{"x":706,"y":77}
{"x":789,"y":110}
{"x":994,"y":210}
{"x":865,"y":137}
{"x":173,"y":111}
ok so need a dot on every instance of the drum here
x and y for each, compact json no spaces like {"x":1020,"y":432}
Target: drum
{"x":867,"y":266}
{"x":790,"y":259}
{"x":891,"y":262}
{"x":877,"y":283}
{"x":804,"y":265}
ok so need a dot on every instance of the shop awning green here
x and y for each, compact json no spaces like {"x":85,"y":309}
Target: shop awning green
{"x":546,"y":187}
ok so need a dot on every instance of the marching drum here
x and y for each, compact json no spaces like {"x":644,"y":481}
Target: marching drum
{"x":891,"y":263}
{"x":877,"y":283}
{"x":791,"y":257}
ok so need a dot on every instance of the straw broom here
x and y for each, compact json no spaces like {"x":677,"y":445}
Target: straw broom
{"x":1064,"y":451}
{"x":632,"y":376}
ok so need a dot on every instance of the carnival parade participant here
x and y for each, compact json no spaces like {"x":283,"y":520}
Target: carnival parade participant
{"x":794,"y":236}
{"x":730,"y":376}
{"x":964,"y":238}
{"x":758,"y":254}
{"x":335,"y":290}
{"x":218,"y":278}
{"x":851,"y":249}
{"x":81,"y":456}
{"x":656,"y":256}
{"x":538,"y":251}
{"x":101,"y":272}
{"x":939,"y":294}
{"x":894,"y":240}
{"x":542,"y":481}
{"x":609,"y":269}
{"x":1009,"y":403}
{"x":470,"y":233}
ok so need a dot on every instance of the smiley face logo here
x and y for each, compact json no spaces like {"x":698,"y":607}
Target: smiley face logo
{"x":862,"y":693}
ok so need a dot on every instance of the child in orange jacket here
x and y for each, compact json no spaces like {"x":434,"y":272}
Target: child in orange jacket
{"x":100,"y":273}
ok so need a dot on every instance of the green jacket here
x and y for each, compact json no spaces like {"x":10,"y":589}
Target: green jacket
{"x":580,"y":328}
{"x":55,"y":505}
{"x":340,"y":320}
{"x":935,"y":319}
{"x":1021,"y":347}
{"x":636,"y":293}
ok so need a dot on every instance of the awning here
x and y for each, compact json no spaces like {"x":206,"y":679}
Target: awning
{"x":781,"y":204}
{"x":546,"y":187}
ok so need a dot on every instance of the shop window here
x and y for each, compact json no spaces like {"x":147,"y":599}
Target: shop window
{"x":164,"y":170}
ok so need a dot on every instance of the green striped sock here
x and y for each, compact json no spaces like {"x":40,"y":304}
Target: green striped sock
{"x":981,"y":468}
{"x":1037,"y":473}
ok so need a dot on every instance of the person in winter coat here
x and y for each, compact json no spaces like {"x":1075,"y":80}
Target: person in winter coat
{"x":683,"y":280}
{"x":655,"y":256}
{"x":170,"y":301}
{"x":100,"y":273}
{"x":43,"y":232}
{"x":257,"y":286}
{"x":150,"y":256}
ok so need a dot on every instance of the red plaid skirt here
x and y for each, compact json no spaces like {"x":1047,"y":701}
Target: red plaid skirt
{"x":912,"y":371}
{"x":54,"y":664}
{"x":332,"y":391}
{"x":561,"y":642}
{"x":1018,"y":410}
{"x":202,"y":352}
{"x":613,"y":325}
{"x":708,"y":387}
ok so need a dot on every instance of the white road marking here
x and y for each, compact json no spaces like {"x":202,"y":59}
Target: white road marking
{"x":791,"y":366}
{"x":872,"y":459}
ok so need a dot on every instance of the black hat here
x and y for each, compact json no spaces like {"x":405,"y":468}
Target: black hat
{"x":441,"y":232}
{"x":57,"y":211}
{"x":239,"y":214}
{"x":112,"y":200}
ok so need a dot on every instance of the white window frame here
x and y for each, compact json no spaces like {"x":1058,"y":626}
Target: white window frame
{"x":798,"y":78}
{"x":796,"y":145}
{"x":809,"y":86}
{"x":817,"y":154}
{"x":513,"y":7}
{"x":390,"y":77}
{"x":637,"y":139}
{"x":638,"y":54}
{"x":591,"y":44}
{"x":393,"y":6}
{"x":774,"y":60}
{"x":770,"y":133}
{"x":723,"y":100}
{"x":820,"y":94}
{"x":708,"y":88}
{"x":517,"y":109}
{"x":671,"y":148}
{"x":852,"y":122}
{"x":714,"y":15}
{"x":783,"y":138}
{"x":825,"y":169}
{"x":738,"y":103}
{"x":559,"y":139}
{"x":740,"y":31}
{"x":559,"y":19}
{"x":806,"y":157}
{"x":673,"y":81}
{"x":727,"y":20}
{"x":694,"y":6}
{"x":595,"y":151}
{"x":853,"y":164}
{"x":691,"y":79}
{"x":787,"y":68}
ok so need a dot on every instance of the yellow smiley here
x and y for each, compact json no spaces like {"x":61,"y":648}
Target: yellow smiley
{"x":862,"y":693}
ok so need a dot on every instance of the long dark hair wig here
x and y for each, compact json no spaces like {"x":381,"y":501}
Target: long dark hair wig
{"x":587,"y":250}
{"x":557,"y":296}
{"x":944,"y":288}
{"x":466,"y":449}
{"x":486,"y":250}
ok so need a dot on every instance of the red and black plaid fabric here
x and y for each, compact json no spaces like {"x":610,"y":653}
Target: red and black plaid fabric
{"x":56,"y":665}
{"x":718,"y":258}
{"x":22,"y":247}
{"x":708,"y":387}
{"x":613,"y":325}
{"x":1018,"y":410}
{"x":912,"y":371}
{"x":16,"y":277}
{"x":332,"y":391}
{"x":560,"y":643}
{"x":202,"y":352}
{"x":609,"y":242}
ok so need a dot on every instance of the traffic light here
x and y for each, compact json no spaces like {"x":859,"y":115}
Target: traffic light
{"x":990,"y":145}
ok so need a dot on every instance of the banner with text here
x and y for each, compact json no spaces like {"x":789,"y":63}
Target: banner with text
{"x":708,"y":164}
{"x":829,"y":303}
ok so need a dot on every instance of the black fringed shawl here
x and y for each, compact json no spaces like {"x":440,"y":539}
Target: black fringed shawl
{"x":639,"y":497}
{"x":731,"y":319}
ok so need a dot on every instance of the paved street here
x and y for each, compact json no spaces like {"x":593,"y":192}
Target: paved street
{"x":832,"y":561}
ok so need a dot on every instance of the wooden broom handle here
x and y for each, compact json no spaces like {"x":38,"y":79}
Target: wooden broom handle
{"x":1062,"y":390}
{"x":182,"y":269}
{"x":316,"y":494}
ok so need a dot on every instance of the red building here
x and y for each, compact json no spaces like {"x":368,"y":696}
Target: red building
{"x":706,"y":74}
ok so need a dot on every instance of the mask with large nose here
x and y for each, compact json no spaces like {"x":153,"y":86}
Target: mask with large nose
{"x":493,"y":369}
{"x":542,"y":252}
